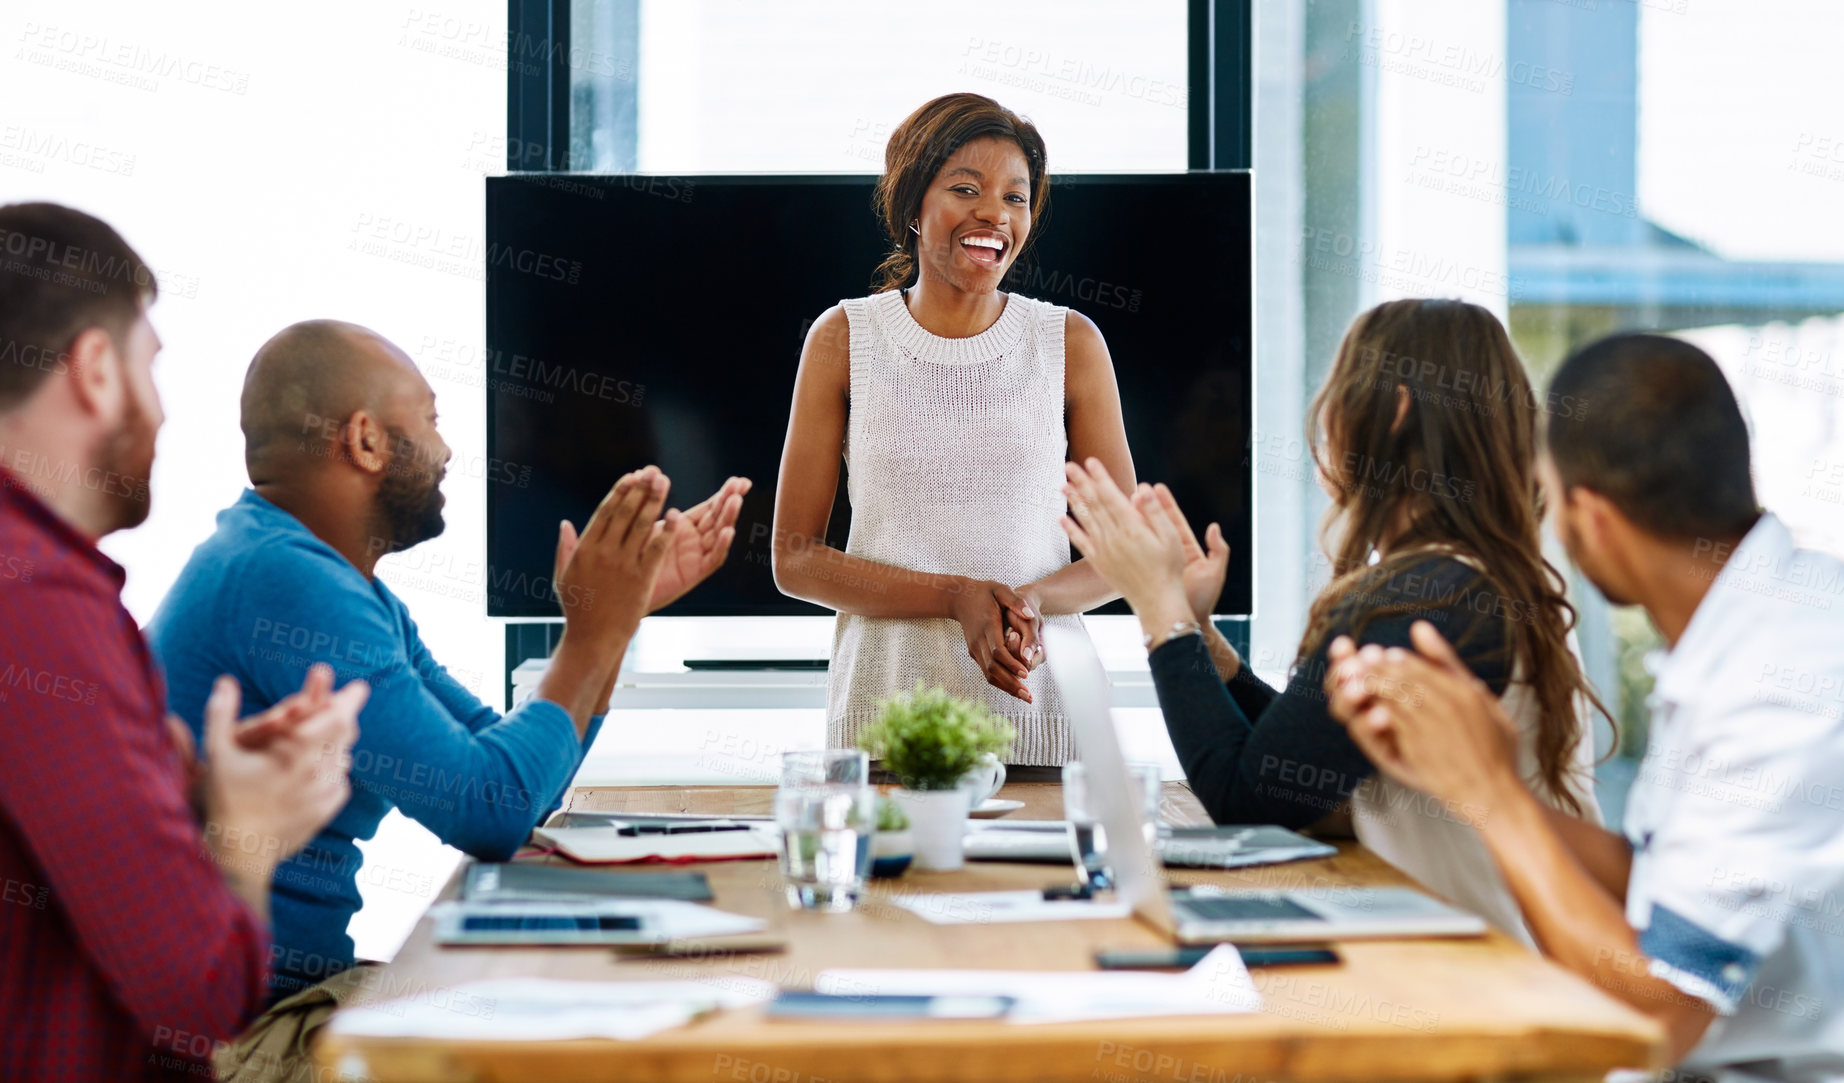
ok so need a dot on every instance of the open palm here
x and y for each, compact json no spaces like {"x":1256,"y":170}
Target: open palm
{"x":1204,"y":568}
{"x":698,"y":552}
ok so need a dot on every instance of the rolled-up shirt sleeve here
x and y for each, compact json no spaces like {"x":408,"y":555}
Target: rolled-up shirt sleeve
{"x":1753,"y":845}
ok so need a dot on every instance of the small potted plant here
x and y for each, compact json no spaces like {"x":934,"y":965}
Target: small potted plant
{"x":929,"y":741}
{"x":894,"y":845}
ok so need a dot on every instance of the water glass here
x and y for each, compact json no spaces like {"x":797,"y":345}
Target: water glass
{"x":827,"y":813}
{"x":1088,"y":839}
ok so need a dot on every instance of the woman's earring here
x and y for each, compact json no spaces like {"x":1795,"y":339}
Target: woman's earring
{"x":914,"y":230}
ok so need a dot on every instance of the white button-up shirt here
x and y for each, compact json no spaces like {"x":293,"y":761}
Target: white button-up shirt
{"x":1737,"y":816}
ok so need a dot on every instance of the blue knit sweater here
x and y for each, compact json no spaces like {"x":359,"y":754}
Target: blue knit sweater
{"x":262,"y":599}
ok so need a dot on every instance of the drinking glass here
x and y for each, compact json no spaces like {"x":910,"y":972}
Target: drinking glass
{"x":1088,"y":839}
{"x":827,"y":813}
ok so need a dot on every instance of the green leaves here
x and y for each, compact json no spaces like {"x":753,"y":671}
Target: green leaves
{"x":928,"y":739}
{"x":890,"y":816}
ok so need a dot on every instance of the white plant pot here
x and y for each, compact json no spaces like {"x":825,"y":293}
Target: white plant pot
{"x":938,"y":820}
{"x":893,"y":843}
{"x":892,"y":852}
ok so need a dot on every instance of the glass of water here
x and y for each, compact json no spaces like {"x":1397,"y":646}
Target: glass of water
{"x":1088,"y":839}
{"x":827,"y":813}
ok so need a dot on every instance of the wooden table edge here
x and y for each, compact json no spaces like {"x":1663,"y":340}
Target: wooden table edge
{"x":1304,"y":1055}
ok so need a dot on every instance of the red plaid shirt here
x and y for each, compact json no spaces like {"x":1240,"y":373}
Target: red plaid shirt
{"x":123,"y":954}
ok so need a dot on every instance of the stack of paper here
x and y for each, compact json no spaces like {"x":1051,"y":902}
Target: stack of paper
{"x":1233,"y":847}
{"x":1218,"y":985}
{"x":542,"y":1009}
{"x":989,"y":907}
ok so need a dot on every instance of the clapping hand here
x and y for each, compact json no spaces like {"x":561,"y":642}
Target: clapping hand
{"x":702,"y":543}
{"x":605,"y":578}
{"x":259,"y":731}
{"x":698,"y":539}
{"x":1205,"y":568}
{"x":1423,"y":718}
{"x":278,"y":778}
{"x":1132,"y":543}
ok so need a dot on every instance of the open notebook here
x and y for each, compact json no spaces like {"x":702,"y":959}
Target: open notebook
{"x":607,"y":846}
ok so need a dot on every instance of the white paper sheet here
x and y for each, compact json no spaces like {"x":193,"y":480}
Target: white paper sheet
{"x":1218,"y":985}
{"x":543,"y":1009}
{"x":990,"y":907}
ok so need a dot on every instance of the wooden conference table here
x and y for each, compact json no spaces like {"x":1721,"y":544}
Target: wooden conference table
{"x":1465,"y":1009}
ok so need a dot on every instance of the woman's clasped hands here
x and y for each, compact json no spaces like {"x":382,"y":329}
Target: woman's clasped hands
{"x":1002,"y":627}
{"x":1141,"y":544}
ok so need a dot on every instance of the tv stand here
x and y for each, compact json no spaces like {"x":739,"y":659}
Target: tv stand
{"x":747,"y":663}
{"x":752,"y":665}
{"x":775,"y":683}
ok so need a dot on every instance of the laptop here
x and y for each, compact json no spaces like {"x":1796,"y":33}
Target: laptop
{"x":1241,"y":915}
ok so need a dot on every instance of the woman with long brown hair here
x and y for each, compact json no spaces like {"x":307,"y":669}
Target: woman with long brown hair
{"x":954,"y":406}
{"x":1424,"y":437}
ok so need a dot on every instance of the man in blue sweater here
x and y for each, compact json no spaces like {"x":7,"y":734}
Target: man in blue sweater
{"x":345,"y":465}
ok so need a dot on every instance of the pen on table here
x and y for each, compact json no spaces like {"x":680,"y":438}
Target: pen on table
{"x":692,"y":949}
{"x":678,"y":829}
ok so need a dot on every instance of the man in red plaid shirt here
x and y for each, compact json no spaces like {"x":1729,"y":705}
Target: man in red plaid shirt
{"x":134,"y":888}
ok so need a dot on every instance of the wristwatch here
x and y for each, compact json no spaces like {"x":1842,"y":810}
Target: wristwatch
{"x":1179,"y":628}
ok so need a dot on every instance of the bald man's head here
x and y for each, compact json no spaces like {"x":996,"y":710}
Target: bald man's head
{"x":310,"y":378}
{"x":332,"y":402}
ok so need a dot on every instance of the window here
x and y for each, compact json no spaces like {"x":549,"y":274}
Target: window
{"x":1580,"y":167}
{"x":817,"y":85}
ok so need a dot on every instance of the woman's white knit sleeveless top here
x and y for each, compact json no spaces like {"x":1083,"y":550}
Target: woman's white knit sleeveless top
{"x":954,"y":452}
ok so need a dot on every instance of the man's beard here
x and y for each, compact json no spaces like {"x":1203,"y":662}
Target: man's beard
{"x":408,"y":507}
{"x":1571,"y":544}
{"x":127,"y":461}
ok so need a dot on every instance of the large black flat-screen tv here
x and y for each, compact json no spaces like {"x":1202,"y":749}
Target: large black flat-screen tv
{"x":648,"y":319}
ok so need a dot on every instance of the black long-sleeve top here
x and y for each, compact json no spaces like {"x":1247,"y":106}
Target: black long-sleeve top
{"x":1257,"y":756}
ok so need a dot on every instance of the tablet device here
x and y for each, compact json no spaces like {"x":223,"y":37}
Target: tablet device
{"x":497,"y":881}
{"x":509,"y":924}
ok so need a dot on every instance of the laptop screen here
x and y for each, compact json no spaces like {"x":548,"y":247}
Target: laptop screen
{"x":1139,"y":878}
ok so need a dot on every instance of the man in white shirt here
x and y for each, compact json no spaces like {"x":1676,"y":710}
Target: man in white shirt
{"x":1720,"y":912}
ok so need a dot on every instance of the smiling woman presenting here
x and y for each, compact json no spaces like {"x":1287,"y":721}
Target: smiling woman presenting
{"x":953,"y":406}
